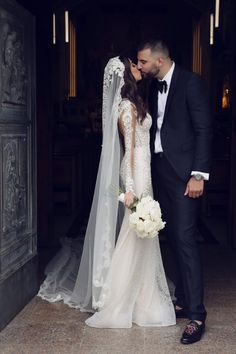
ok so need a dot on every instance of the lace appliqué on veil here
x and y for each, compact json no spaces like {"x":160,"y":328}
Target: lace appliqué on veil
{"x":115,"y":68}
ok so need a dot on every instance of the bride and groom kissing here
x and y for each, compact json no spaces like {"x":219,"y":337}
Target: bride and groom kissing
{"x":163,"y":149}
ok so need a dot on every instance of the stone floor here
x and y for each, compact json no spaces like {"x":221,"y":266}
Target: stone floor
{"x":55,"y":328}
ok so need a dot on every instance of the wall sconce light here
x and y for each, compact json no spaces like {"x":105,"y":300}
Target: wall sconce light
{"x":66,"y":26}
{"x":54,"y":29}
{"x":211,"y":29}
{"x":217,"y":13}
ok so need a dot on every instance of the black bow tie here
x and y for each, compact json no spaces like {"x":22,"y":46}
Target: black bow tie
{"x":162,"y":86}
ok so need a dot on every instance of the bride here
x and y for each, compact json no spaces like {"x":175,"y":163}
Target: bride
{"x":121,"y":279}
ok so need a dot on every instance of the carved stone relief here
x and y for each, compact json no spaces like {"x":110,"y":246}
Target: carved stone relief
{"x":18,"y":236}
{"x":14,"y":73}
{"x":10,"y":259}
{"x":14,"y":217}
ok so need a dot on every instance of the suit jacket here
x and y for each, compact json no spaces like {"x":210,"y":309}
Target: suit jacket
{"x":186,"y":132}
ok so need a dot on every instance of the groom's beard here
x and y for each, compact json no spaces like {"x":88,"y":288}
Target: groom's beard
{"x":152,"y":74}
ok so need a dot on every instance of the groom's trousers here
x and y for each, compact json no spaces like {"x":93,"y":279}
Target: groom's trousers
{"x":180,"y":213}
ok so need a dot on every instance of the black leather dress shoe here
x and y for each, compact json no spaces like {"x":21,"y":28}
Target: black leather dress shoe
{"x":181,"y":313}
{"x":192,"y":333}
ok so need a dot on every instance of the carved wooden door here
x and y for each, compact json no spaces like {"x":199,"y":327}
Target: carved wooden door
{"x":18,"y":263}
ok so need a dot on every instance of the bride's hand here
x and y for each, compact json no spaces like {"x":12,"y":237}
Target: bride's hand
{"x":129,"y":199}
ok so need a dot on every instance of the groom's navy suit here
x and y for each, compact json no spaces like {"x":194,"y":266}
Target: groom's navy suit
{"x":186,"y":143}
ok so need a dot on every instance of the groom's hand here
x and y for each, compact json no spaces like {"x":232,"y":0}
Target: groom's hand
{"x":194,"y":188}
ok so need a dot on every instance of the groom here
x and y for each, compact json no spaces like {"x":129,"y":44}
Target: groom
{"x":180,"y":145}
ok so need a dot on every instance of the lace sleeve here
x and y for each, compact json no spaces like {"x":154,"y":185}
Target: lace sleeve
{"x":127,"y":123}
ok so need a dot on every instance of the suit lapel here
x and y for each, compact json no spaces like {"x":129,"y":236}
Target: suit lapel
{"x":173,"y":85}
{"x":153,"y":109}
{"x":153,"y":102}
{"x":153,"y":99}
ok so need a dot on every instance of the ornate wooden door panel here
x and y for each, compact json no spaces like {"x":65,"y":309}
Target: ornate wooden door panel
{"x":18,"y":265}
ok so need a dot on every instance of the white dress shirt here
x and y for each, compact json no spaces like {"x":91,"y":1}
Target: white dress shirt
{"x":162,"y":98}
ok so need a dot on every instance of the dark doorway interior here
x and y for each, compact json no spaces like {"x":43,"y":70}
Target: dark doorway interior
{"x":69,"y":112}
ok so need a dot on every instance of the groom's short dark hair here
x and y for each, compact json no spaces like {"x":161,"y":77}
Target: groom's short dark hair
{"x":155,"y":45}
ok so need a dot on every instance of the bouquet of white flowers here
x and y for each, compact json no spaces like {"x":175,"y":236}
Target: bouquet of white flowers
{"x":145,"y":217}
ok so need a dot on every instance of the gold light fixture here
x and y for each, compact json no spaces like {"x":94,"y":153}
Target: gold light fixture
{"x":197,"y":49}
{"x":225,"y":101}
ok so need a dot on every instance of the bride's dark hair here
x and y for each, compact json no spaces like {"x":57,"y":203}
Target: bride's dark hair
{"x":130,"y":89}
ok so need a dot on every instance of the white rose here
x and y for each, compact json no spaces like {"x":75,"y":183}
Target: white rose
{"x":133,"y":218}
{"x":153,"y":234}
{"x":149,"y":226}
{"x":153,"y":204}
{"x":121,"y":198}
{"x":157,"y":205}
{"x":155,"y":214}
{"x":140,"y":226}
{"x":146,"y":199}
{"x":142,"y":211}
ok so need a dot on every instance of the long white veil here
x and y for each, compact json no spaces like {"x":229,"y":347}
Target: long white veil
{"x":80,"y":285}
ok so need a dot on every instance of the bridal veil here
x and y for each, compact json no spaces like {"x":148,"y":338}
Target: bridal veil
{"x":79,"y":283}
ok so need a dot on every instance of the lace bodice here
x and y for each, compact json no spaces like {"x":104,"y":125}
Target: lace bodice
{"x":137,"y":147}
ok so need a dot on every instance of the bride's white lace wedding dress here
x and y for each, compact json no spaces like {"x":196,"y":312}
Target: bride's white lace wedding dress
{"x":135,"y":289}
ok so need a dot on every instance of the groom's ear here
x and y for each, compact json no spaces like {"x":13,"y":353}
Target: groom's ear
{"x":159,"y":61}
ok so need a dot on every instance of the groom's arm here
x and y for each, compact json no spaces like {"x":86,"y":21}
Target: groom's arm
{"x":199,"y":110}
